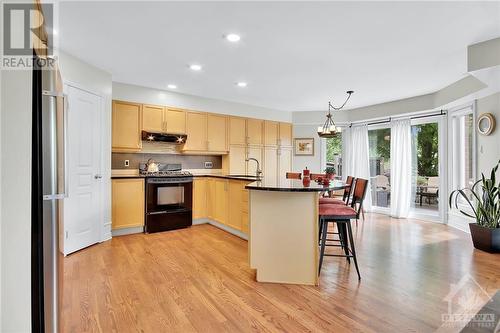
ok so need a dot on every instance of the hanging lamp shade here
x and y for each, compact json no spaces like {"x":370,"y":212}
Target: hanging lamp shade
{"x":329,"y":129}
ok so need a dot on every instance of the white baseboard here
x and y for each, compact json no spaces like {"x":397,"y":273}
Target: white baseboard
{"x":459,"y":222}
{"x":127,"y":231}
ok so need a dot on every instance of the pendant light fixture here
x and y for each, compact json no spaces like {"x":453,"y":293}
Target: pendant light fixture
{"x":329,"y":130}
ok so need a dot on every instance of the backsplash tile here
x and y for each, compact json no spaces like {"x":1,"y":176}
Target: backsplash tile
{"x":187,"y":161}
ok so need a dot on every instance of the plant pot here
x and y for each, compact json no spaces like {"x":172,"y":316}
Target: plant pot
{"x":485,"y":239}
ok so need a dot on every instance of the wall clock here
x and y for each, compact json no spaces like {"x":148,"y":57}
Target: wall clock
{"x":486,"y":124}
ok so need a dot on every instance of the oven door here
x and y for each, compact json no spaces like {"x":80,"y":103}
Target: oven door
{"x":169,"y":197}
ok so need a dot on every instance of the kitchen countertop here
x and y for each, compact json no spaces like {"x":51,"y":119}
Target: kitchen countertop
{"x":295,"y":185}
{"x":127,"y":173}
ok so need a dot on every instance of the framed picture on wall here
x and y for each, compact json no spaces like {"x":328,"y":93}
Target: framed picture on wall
{"x":303,"y":146}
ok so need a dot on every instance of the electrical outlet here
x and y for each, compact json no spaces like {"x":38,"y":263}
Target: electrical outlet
{"x":209,"y":165}
{"x":127,"y":163}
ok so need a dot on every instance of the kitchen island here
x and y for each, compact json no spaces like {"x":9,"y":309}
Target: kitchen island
{"x":283,"y":231}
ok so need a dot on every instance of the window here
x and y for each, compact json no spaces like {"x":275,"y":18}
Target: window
{"x":379,"y":140}
{"x":334,"y":153}
{"x":462,"y":147}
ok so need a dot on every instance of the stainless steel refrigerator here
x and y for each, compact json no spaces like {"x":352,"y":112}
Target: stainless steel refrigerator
{"x":49,"y":189}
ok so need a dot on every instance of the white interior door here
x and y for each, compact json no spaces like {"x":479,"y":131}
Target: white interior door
{"x":82,"y":208}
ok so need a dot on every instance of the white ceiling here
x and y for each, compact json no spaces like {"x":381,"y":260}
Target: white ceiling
{"x":295,"y":56}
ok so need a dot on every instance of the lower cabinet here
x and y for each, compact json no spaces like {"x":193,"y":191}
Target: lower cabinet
{"x":127,"y":203}
{"x":222,"y":200}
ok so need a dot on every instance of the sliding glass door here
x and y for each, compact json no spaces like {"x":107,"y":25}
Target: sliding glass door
{"x":427,"y":179}
{"x":379,"y":140}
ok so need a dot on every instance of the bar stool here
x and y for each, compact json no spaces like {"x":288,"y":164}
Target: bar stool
{"x":342,"y":215}
{"x":293,"y":175}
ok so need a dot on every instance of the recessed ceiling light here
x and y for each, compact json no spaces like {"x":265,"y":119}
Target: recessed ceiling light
{"x":172,"y":86}
{"x":233,"y":38}
{"x":195,"y":67}
{"x":241,"y":84}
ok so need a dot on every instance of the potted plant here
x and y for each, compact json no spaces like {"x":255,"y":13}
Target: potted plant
{"x":330,"y":172}
{"x":485,"y":209}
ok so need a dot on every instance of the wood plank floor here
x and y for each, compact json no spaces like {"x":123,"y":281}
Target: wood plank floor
{"x":198,"y":280}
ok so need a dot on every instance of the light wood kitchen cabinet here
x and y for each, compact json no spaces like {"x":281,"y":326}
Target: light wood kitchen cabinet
{"x":211,"y":199}
{"x":285,"y":134}
{"x":271,"y":130}
{"x":235,"y":204}
{"x":270,"y":170}
{"x":200,"y":198}
{"x":196,"y":130}
{"x":174,"y":121}
{"x":237,"y":156}
{"x":127,"y":203}
{"x":221,"y":200}
{"x":152,"y":118}
{"x":255,"y":128}
{"x":126,"y":126}
{"x":216,"y":133}
{"x":284,"y":163}
{"x":237,"y":131}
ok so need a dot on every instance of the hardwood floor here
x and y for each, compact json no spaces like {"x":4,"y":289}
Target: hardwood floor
{"x":198,"y":280}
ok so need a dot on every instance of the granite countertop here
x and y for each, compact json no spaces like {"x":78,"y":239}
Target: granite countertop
{"x":295,"y":185}
{"x":128,"y":173}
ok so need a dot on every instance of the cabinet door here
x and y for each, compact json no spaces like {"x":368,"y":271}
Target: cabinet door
{"x":221,"y":201}
{"x":127,"y":203}
{"x":285,"y":163}
{"x":126,"y":126}
{"x":217,"y":133}
{"x":199,"y":198}
{"x":175,"y":121}
{"x":254,"y":152}
{"x":271,"y":129}
{"x":237,"y":131}
{"x":211,"y":198}
{"x":270,"y":166}
{"x":237,"y":156}
{"x":255,"y":129}
{"x":285,"y":137}
{"x":196,"y":128}
{"x":152,"y":118}
{"x":235,"y":204}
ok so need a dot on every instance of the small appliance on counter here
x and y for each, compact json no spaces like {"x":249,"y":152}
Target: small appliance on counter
{"x":169,"y":197}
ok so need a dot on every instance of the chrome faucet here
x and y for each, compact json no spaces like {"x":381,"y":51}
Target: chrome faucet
{"x":258,"y":173}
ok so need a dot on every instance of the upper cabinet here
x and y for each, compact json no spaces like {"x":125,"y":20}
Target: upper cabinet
{"x":126,"y":126}
{"x":160,"y":119}
{"x":196,"y":130}
{"x":237,"y":131}
{"x":175,"y":121}
{"x":271,"y":136}
{"x":285,"y":134}
{"x":216,"y":133}
{"x":255,"y":129}
{"x":152,"y":118}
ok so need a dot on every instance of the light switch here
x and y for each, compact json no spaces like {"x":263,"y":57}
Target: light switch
{"x":209,"y":165}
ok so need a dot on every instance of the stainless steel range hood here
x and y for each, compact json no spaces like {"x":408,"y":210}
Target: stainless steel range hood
{"x":177,"y":139}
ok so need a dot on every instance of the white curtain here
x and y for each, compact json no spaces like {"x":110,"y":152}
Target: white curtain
{"x":401,"y":168}
{"x":357,"y":157}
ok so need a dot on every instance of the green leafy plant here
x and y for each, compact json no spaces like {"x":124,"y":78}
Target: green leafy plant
{"x":330,"y":170}
{"x":485,"y":202}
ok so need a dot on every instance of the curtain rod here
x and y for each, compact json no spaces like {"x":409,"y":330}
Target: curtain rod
{"x":441,"y":113}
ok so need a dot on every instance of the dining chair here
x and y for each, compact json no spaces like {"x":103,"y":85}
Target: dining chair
{"x":293,"y":175}
{"x":345,"y":197}
{"x":316,"y":176}
{"x":342,"y":215}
